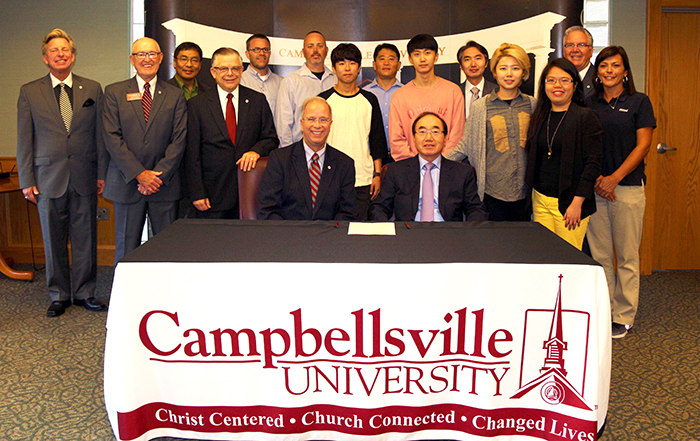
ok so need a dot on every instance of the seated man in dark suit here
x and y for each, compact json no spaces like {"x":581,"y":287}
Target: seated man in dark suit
{"x":449,"y":188}
{"x":309,"y":180}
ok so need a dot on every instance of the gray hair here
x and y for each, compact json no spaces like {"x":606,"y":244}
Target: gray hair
{"x":579,"y":29}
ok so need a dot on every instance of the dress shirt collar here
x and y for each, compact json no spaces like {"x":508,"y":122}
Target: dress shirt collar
{"x":223,"y":100}
{"x":468,"y":88}
{"x":257,"y":75}
{"x":437,"y":162}
{"x":55,"y":81}
{"x":305,"y":71}
{"x":397,"y":84}
{"x":582,"y":73}
{"x":494,"y":96}
{"x":309,"y":153}
{"x":140,"y":81}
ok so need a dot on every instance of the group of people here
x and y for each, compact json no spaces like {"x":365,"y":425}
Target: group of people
{"x":573,"y":158}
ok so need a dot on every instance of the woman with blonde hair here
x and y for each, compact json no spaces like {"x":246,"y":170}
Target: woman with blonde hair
{"x":495,"y":134}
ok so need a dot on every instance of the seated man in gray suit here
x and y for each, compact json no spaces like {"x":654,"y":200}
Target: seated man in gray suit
{"x":145,"y":124}
{"x":429,"y":187}
{"x":61,"y":163}
{"x":309,"y":180}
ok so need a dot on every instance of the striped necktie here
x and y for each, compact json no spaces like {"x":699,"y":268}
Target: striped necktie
{"x":147,"y":100}
{"x":315,"y":177}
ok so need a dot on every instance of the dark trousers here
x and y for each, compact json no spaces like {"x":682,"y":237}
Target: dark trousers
{"x":74,"y":216}
{"x":129,"y":220}
{"x":503,"y":211}
{"x":363,"y":201}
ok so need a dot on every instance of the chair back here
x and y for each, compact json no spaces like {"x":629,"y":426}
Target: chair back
{"x":248,"y":185}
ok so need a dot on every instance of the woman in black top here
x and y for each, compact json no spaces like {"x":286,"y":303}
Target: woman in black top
{"x":564,"y":154}
{"x":616,"y":229}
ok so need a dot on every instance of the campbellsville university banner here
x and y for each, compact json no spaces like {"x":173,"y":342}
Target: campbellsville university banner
{"x":299,"y":351}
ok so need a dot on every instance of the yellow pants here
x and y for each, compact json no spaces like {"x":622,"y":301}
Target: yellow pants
{"x":545,"y":210}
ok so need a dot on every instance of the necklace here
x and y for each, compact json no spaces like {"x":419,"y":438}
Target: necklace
{"x":551,"y":142}
{"x":616,"y":99}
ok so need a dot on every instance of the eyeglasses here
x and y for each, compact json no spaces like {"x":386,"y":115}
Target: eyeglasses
{"x":194,"y":60}
{"x":434,"y":132}
{"x":322,"y":120}
{"x":225,"y":70}
{"x":578,"y":45}
{"x":143,"y":55}
{"x":257,"y":50}
{"x":562,"y":81}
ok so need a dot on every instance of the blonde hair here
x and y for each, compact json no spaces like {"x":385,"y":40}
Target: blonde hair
{"x":515,"y":51}
{"x":57,"y":33}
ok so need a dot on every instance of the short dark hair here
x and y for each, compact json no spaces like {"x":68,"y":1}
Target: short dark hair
{"x":608,"y":52}
{"x":346,"y":51}
{"x":187,"y":46}
{"x":422,"y":41}
{"x":315,"y":32}
{"x":389,"y":46}
{"x":253,"y":37}
{"x":424,"y":114}
{"x":470,"y":44}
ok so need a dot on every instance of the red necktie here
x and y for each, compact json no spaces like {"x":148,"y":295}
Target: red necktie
{"x":231,"y":118}
{"x":315,"y":176}
{"x":147,"y":100}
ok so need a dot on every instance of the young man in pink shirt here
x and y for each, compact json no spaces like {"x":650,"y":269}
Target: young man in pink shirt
{"x":426,"y":93}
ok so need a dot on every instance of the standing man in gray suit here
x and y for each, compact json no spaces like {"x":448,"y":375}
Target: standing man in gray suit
{"x":145,"y":122}
{"x":59,"y":147}
{"x":578,"y":48}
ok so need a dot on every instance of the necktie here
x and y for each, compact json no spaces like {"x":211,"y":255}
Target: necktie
{"x":474,"y":97}
{"x":64,"y":106}
{"x":427,"y":204}
{"x":315,"y":177}
{"x":231,"y":118}
{"x":147,"y":100}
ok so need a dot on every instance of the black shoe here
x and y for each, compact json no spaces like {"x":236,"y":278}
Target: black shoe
{"x":91,"y":304}
{"x":57,"y":307}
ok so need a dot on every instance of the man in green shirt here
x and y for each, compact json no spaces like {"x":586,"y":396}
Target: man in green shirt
{"x":187,"y":62}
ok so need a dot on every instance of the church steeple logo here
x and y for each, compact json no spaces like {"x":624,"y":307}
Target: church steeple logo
{"x":554,"y":386}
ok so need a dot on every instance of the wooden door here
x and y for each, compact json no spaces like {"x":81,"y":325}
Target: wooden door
{"x":672,"y":222}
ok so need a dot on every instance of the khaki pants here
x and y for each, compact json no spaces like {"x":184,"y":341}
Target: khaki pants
{"x":618,"y":225}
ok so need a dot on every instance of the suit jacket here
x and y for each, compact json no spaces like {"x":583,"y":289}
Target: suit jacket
{"x":203,"y":88}
{"x":580,"y":159}
{"x":400,"y":192}
{"x":135,"y":146}
{"x":285,"y":188}
{"x":48,"y":157}
{"x":587,"y":81}
{"x":211,"y":156}
{"x":488,"y":88}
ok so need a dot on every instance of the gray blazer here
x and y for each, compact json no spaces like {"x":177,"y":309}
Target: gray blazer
{"x":48,"y":157}
{"x":135,"y":146}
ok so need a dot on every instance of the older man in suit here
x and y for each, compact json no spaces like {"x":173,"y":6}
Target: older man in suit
{"x":578,"y":48}
{"x":429,"y":187}
{"x":309,"y":180}
{"x":228,"y":127}
{"x":61,"y":163}
{"x":145,"y":123}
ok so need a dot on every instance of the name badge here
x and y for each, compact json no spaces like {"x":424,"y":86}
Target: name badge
{"x":624,"y":110}
{"x":133,"y":96}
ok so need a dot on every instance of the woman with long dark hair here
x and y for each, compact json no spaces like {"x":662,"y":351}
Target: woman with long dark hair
{"x":616,"y":229}
{"x":564,"y":154}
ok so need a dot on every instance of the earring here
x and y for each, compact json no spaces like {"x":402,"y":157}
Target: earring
{"x":596,"y":80}
{"x":625,"y":80}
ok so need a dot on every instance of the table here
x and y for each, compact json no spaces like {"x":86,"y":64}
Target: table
{"x":297,"y":330}
{"x":9,"y":185}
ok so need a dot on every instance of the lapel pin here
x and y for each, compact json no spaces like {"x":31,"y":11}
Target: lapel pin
{"x":246,"y":101}
{"x":80,"y":87}
{"x":159,"y":92}
{"x":329,"y":167}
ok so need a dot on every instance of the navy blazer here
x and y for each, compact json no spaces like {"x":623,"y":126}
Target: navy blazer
{"x":210,"y":160}
{"x":457,"y":194}
{"x":285,"y":188}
